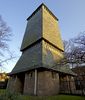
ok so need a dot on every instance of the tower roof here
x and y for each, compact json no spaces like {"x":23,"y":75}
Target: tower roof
{"x":39,"y":9}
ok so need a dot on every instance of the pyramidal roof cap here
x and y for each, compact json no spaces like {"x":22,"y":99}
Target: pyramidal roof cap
{"x":39,"y":9}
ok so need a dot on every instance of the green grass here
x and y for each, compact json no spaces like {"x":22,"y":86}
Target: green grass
{"x":2,"y":91}
{"x":9,"y":96}
{"x":58,"y":97}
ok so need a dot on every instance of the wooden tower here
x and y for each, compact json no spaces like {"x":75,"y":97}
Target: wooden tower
{"x":36,"y":73}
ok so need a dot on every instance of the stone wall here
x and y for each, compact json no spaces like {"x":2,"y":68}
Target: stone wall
{"x":47,"y":83}
{"x":15,"y":84}
{"x":72,"y":84}
{"x":10,"y":85}
{"x":67,"y":84}
{"x":29,"y":83}
{"x":18,"y":85}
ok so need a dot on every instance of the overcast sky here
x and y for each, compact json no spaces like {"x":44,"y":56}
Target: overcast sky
{"x":71,"y":15}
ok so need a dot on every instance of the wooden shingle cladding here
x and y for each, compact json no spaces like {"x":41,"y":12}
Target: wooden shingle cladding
{"x":42,"y":25}
{"x":50,"y":29}
{"x":33,"y":30}
{"x":29,"y":59}
{"x":41,"y":55}
{"x":42,"y":45}
{"x":50,"y":54}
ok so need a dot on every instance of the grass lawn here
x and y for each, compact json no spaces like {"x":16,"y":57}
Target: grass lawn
{"x":7,"y":96}
{"x":58,"y":97}
{"x":2,"y":91}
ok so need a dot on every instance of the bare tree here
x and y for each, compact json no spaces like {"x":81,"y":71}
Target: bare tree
{"x":80,"y":42}
{"x":5,"y":34}
{"x":75,"y":50}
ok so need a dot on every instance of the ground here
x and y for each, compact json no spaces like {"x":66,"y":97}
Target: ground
{"x":58,"y":97}
{"x":9,"y":96}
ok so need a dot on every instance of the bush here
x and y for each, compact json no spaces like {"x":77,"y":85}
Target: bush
{"x":9,"y":96}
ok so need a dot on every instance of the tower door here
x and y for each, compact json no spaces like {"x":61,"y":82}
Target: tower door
{"x":21,"y":78}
